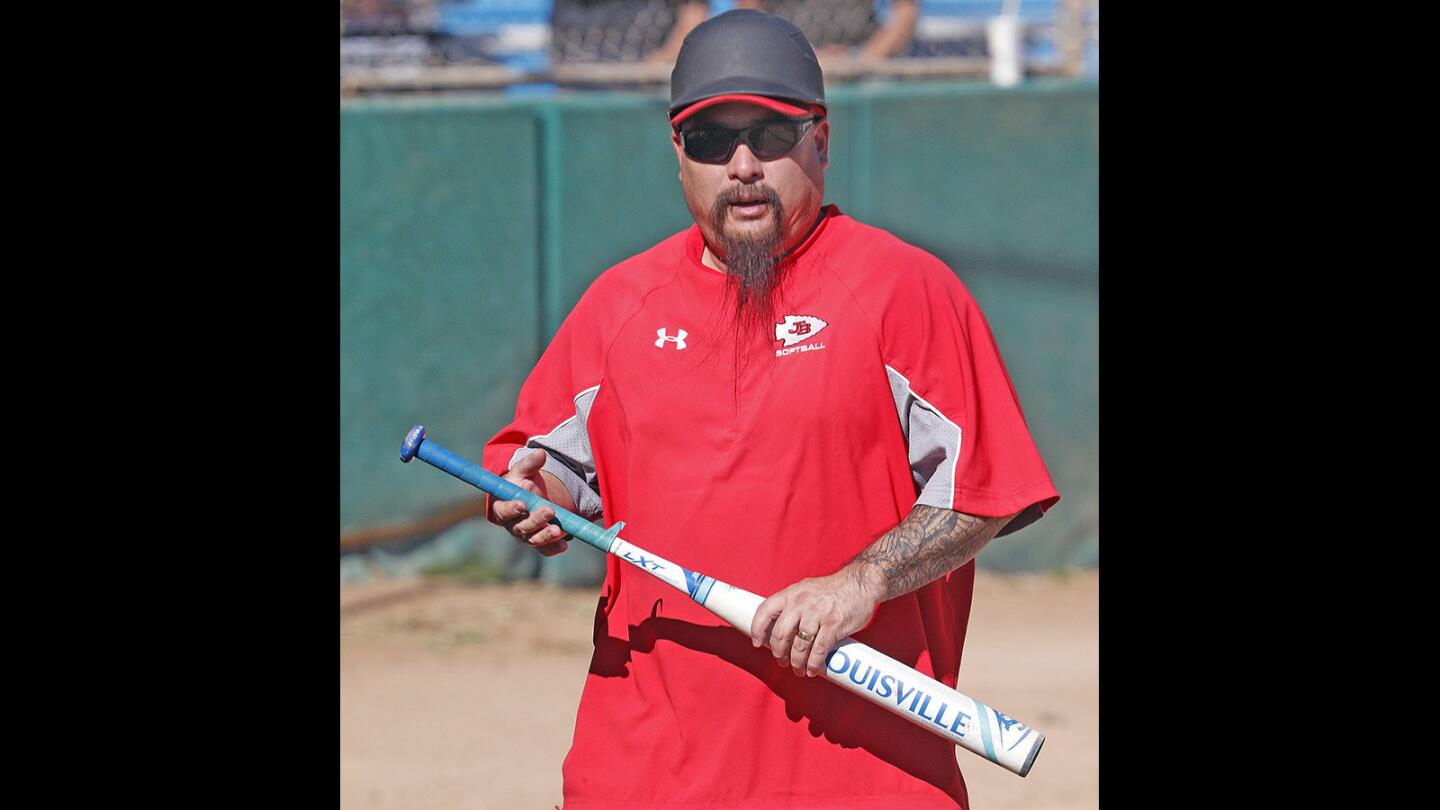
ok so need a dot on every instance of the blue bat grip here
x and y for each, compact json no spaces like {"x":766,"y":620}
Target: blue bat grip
{"x":433,"y":454}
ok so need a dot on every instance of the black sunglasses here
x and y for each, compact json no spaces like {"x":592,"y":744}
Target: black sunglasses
{"x":768,"y":140}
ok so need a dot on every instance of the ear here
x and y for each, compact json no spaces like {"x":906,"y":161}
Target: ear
{"x":822,"y":142}
{"x":679,"y":152}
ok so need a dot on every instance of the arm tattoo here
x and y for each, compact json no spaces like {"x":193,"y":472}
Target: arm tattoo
{"x":928,"y":544}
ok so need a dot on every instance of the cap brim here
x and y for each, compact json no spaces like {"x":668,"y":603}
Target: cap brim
{"x":775,"y":104}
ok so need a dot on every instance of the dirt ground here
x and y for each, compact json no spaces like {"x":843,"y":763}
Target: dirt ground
{"x":430,"y":717}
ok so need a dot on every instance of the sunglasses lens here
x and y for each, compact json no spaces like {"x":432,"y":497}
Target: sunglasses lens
{"x":768,"y":141}
{"x":774,"y":139}
{"x":709,"y":145}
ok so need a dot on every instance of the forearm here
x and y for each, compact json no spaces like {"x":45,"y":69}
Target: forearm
{"x":556,"y":492}
{"x":687,"y":17}
{"x":895,"y":34}
{"x":928,"y":544}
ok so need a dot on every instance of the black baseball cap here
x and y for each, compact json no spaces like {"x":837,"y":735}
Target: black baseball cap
{"x":746,"y":55}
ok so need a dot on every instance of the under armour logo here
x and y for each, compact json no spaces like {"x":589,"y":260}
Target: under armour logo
{"x":678,"y":340}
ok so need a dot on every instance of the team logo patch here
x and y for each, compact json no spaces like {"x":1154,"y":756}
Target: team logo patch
{"x":797,"y":329}
{"x":678,"y":339}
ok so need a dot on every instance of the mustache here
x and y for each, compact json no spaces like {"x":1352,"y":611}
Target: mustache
{"x":750,"y":193}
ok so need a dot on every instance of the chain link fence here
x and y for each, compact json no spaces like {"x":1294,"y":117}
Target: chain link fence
{"x":390,"y":46}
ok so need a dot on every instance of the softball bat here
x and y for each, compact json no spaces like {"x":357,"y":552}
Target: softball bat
{"x":872,"y":675}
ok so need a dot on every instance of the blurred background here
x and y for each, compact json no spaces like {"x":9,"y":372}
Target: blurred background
{"x":522,"y":46}
{"x":495,"y":157}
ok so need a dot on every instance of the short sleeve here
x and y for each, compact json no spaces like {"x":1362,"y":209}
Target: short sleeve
{"x":552,"y":413}
{"x":969,"y":446}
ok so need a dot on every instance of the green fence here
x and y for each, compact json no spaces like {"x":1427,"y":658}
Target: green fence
{"x":470,"y":226}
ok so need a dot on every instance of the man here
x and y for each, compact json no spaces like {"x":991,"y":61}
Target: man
{"x":790,"y":401}
{"x":621,"y":30}
{"x":841,"y":28}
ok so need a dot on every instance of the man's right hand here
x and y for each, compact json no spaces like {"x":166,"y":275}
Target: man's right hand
{"x":535,"y":530}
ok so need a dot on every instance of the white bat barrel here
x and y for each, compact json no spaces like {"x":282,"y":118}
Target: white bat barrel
{"x":918,"y":698}
{"x":934,"y":706}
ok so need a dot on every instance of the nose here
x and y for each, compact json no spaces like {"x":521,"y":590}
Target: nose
{"x":744,"y":166}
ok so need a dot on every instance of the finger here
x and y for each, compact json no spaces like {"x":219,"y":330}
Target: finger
{"x":534,"y":523}
{"x":549,"y":541}
{"x":545,"y":535}
{"x":507,"y":511}
{"x":782,"y":636}
{"x":800,"y":651}
{"x":819,"y":651}
{"x":527,"y":466}
{"x":764,"y":617}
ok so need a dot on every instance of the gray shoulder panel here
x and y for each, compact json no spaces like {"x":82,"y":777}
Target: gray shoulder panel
{"x":933,"y":442}
{"x":568,"y":456}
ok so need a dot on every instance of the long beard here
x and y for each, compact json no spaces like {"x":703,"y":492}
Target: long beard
{"x":753,"y":273}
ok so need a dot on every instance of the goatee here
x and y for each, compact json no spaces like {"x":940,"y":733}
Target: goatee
{"x":753,"y":274}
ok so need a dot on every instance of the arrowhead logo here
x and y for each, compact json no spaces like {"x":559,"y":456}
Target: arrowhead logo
{"x":797,"y":328}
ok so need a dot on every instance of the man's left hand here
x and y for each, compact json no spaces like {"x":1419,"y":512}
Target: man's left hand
{"x":826,"y":609}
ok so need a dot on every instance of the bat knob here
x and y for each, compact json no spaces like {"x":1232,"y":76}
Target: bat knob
{"x":412,"y":443}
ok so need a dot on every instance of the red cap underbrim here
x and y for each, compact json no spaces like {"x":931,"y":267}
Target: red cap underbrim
{"x":744,"y":98}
